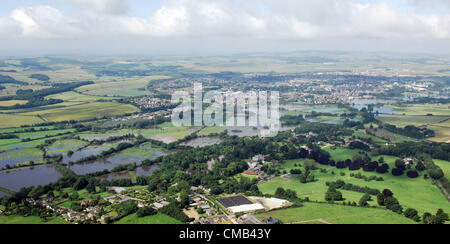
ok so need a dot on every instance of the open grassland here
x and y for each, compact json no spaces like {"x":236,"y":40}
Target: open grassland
{"x":84,"y":111}
{"x":28,"y":220}
{"x":12,"y":120}
{"x":210,"y":130}
{"x":155,"y":219}
{"x":444,"y":165}
{"x":124,"y":88}
{"x":362,"y":134}
{"x":335,"y":214}
{"x":417,"y":193}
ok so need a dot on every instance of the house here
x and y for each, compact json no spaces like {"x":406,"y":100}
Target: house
{"x":258,"y":158}
{"x":210,"y":212}
{"x":118,"y":190}
{"x":205,"y":206}
{"x":251,"y":172}
{"x":408,"y":161}
{"x":206,"y":221}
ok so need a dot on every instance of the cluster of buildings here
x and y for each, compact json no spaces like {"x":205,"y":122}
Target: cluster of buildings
{"x":255,"y":166}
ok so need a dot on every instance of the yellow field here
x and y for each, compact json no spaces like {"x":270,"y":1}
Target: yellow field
{"x":424,"y":109}
{"x":10,"y":120}
{"x":77,"y":97}
{"x":124,"y":88}
{"x":442,"y":134}
{"x":84,"y":111}
{"x":12,"y":103}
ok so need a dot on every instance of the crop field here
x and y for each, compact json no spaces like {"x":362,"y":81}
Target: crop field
{"x":12,"y":103}
{"x":433,"y":116}
{"x":155,"y":219}
{"x":43,"y":134}
{"x":84,"y":111}
{"x":417,"y":120}
{"x":126,"y":88}
{"x":12,"y":120}
{"x":442,"y":133}
{"x":424,"y":109}
{"x":335,"y":214}
{"x":77,"y":97}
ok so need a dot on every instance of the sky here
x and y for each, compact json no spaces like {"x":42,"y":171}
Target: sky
{"x":197,"y":27}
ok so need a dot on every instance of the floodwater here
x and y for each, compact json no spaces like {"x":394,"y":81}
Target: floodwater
{"x":91,"y":167}
{"x":363,"y":103}
{"x":146,"y":170}
{"x":141,"y":171}
{"x":203,"y":142}
{"x":6,"y":159}
{"x":112,"y":162}
{"x":39,"y":175}
{"x":84,"y":153}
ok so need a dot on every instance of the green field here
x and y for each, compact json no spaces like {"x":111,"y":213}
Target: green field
{"x":28,"y":220}
{"x":424,"y":109}
{"x":124,"y":88}
{"x":155,"y":219}
{"x":313,"y":213}
{"x":416,"y":193}
{"x":444,"y":165}
{"x":77,"y":97}
{"x":84,"y":111}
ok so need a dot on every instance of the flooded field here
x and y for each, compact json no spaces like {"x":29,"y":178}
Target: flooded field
{"x":129,"y":156}
{"x":381,"y":105}
{"x":40,"y":175}
{"x":17,"y":156}
{"x":146,"y":170}
{"x":141,"y":171}
{"x":202,"y":142}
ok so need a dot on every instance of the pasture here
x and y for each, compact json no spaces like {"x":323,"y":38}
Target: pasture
{"x":314,"y":213}
{"x":155,"y":219}
{"x":417,"y":193}
{"x":14,"y":220}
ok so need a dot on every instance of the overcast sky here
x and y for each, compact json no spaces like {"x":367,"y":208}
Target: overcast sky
{"x":153,"y":27}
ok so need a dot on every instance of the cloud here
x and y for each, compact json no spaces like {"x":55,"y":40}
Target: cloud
{"x":240,"y":21}
{"x":109,"y":7}
{"x":43,"y":22}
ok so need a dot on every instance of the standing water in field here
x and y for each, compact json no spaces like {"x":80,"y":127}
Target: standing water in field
{"x":14,"y":157}
{"x":35,"y":176}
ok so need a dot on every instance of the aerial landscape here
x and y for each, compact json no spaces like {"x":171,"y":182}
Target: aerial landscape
{"x":90,"y":133}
